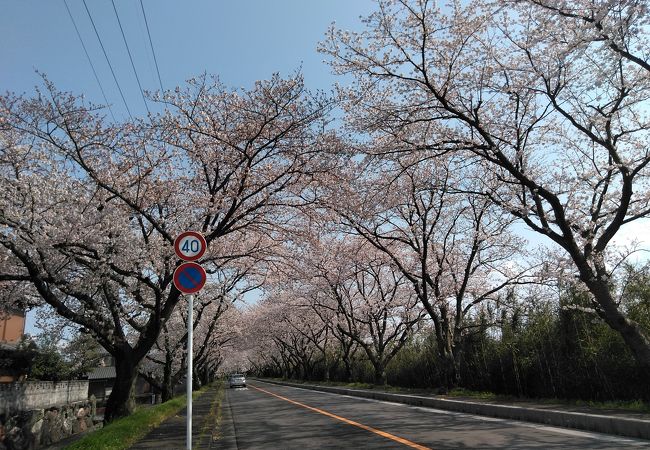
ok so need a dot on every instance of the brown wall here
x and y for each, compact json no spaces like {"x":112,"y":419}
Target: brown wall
{"x":12,"y":327}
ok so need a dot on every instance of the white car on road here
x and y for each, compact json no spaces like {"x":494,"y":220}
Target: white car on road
{"x":237,"y":379}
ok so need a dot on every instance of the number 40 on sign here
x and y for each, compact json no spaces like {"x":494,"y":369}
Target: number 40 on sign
{"x":190,"y":246}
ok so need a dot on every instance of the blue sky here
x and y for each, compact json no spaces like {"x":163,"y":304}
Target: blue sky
{"x":241,"y":41}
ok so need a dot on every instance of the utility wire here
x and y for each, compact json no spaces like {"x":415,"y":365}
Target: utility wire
{"x":130,"y":57}
{"x":92,"y":66}
{"x":152,"y":50}
{"x":107,"y":60}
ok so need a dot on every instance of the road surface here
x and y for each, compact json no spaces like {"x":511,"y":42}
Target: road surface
{"x":267,"y":416}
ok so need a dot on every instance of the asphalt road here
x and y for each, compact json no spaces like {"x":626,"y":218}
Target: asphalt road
{"x":266,"y":416}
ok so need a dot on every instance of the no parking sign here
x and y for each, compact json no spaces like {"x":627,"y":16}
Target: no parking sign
{"x":189,"y":278}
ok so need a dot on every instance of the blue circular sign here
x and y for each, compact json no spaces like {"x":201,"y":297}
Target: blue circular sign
{"x":189,"y":278}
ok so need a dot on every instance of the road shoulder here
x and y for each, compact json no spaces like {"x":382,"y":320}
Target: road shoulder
{"x":225,"y":436}
{"x":171,"y":433}
{"x":619,"y":424}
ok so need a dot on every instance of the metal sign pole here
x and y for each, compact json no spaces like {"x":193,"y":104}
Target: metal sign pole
{"x":189,"y":278}
{"x":190,"y":324}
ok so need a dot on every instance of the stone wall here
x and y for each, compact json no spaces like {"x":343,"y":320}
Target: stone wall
{"x":28,"y":430}
{"x":32,"y":395}
{"x":35,"y":414}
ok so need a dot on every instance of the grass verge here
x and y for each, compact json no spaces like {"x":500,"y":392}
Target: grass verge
{"x":123,"y":433}
{"x":211,"y":423}
{"x":637,"y":406}
{"x":359,"y":385}
{"x":478,"y":395}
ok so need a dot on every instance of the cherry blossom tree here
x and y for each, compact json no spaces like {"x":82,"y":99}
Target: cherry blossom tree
{"x":378,"y":311}
{"x":455,"y":250}
{"x":214,"y":327}
{"x":276,"y":334}
{"x":311,"y":324}
{"x":549,"y":98}
{"x":89,"y":209}
{"x":357,"y":293}
{"x":221,"y":329}
{"x":294,"y":289}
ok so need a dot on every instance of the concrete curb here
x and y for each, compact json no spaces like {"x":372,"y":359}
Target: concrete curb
{"x":622,"y":426}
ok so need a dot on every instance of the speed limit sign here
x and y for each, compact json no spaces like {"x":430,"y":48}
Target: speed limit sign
{"x":190,"y":246}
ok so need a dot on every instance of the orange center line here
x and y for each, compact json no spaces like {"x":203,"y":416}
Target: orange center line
{"x":348,"y":421}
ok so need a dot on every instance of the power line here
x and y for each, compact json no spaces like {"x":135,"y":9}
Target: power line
{"x":130,"y":57}
{"x":107,"y":60}
{"x":151,"y":44}
{"x":92,"y":66}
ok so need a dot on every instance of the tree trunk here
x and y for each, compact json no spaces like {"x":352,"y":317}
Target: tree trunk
{"x":306,"y":370}
{"x":204,"y":376}
{"x":446,"y":353}
{"x":196,"y":378}
{"x":450,"y":369}
{"x":347,"y":373}
{"x":326,"y":375}
{"x":457,"y":356}
{"x":634,"y":336}
{"x":167,"y":385}
{"x":121,"y":402}
{"x":380,"y":374}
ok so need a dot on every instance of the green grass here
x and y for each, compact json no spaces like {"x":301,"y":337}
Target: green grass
{"x":623,"y":405}
{"x":358,"y":385}
{"x":352,"y":385}
{"x":123,"y":433}
{"x":638,"y":406}
{"x":462,"y":392}
{"x":211,"y":423}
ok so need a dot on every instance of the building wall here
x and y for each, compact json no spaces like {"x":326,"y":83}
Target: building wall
{"x":101,"y":389}
{"x":12,"y":327}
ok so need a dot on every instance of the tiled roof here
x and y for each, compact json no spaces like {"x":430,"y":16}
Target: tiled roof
{"x":9,"y":345}
{"x":102,"y":373}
